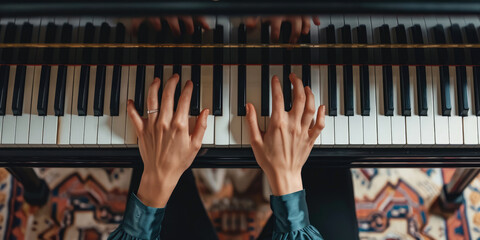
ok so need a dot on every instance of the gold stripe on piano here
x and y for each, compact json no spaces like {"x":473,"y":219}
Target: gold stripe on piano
{"x":187,"y":45}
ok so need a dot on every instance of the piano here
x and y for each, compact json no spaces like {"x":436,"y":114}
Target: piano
{"x":401,"y":82}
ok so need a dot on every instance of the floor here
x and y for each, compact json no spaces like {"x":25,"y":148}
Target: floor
{"x":86,"y":203}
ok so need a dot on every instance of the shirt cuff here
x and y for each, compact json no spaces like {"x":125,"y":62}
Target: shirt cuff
{"x":290,"y":211}
{"x":141,"y":221}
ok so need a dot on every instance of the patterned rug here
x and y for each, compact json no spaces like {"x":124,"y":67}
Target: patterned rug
{"x":392,"y":204}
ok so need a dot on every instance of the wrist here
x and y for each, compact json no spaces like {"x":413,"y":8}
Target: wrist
{"x":285,"y":183}
{"x":155,"y":190}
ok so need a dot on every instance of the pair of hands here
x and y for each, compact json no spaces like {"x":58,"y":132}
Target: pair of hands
{"x":168,"y":147}
{"x":300,"y":24}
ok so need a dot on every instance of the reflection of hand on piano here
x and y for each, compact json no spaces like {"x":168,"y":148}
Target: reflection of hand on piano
{"x":166,"y":146}
{"x":284,"y":148}
{"x":300,"y":25}
{"x":173,"y":22}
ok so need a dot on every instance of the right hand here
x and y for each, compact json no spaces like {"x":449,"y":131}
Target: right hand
{"x":284,"y":148}
{"x":300,"y":25}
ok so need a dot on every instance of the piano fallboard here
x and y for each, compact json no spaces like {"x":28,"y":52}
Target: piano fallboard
{"x":447,"y":156}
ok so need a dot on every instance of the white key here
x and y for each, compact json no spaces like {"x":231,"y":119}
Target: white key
{"x":222,"y":123}
{"x":370,"y":122}
{"x":355,"y":122}
{"x":23,"y":122}
{"x":253,"y":97}
{"x":9,"y":121}
{"x":51,"y":121}
{"x":384,"y":127}
{"x":91,"y":121}
{"x":206,"y":86}
{"x":455,"y":123}
{"x":130,"y":134}
{"x":105,"y":121}
{"x":398,"y":121}
{"x":476,"y":22}
{"x":36,"y":122}
{"x":314,"y":73}
{"x":274,"y":70}
{"x":441,"y":122}
{"x":341,"y":121}
{"x":470,"y":127}
{"x":328,"y":133}
{"x":413,"y":122}
{"x":64,"y":122}
{"x":235,"y":120}
{"x":327,"y":137}
{"x":119,"y":122}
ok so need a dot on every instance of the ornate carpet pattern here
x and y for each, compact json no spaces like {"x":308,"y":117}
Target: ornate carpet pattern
{"x":392,"y":204}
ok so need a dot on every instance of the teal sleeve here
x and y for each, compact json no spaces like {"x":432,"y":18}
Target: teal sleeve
{"x":139,"y":221}
{"x":291,"y":218}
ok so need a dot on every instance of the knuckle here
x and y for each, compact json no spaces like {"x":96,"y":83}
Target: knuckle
{"x":310,"y":109}
{"x":152,"y":101}
{"x":178,"y":124}
{"x":196,"y":145}
{"x":277,"y":97}
{"x":162,"y":126}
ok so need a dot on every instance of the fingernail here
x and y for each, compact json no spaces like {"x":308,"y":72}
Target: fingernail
{"x":247,"y":107}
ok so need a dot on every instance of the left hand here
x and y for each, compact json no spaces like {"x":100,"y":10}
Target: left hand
{"x":166,"y":147}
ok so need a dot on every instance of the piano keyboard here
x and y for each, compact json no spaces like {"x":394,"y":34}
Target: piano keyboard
{"x":65,"y":105}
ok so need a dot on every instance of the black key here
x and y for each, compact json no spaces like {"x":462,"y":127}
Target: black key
{"x":178,"y":89}
{"x":422,"y":91}
{"x":265,"y":111}
{"x":218,"y":73}
{"x":89,"y":34}
{"x":99,"y":98}
{"x":66,"y":37}
{"x":364,"y":72}
{"x":462,"y":90}
{"x":461,"y":71}
{"x":104,"y":38}
{"x":445,"y":90}
{"x":44,"y":87}
{"x":387,"y":90}
{"x":18,"y":90}
{"x":117,"y":72}
{"x":347,"y":72}
{"x":83,"y":90}
{"x":401,"y":34}
{"x":115,"y":93}
{"x":417,"y":38}
{"x":387,"y":71}
{"x":306,"y":56}
{"x":10,"y":33}
{"x":4,"y":74}
{"x":140,"y":89}
{"x":195,"y":101}
{"x":332,"y":90}
{"x":196,"y":53}
{"x":59,"y":105}
{"x":158,"y":72}
{"x":439,"y":34}
{"x":332,"y":73}
{"x":476,"y":84}
{"x":242,"y":72}
{"x":285,"y":31}
{"x":405,"y":91}
{"x":364,"y":90}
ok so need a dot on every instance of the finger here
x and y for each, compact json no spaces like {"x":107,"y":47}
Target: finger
{"x":275,"y":25}
{"x":152,"y":100}
{"x":316,"y":20}
{"x":319,"y":124}
{"x":136,"y":119}
{"x":203,"y":22}
{"x":253,"y":129}
{"x":184,"y":102}
{"x":298,"y":104}
{"x":251,"y":22}
{"x":309,"y":110}
{"x":277,"y":97}
{"x":135,"y":24}
{"x":305,"y":25}
{"x":296,"y":30}
{"x":199,"y":131}
{"x":174,"y":25}
{"x":188,"y":22}
{"x":156,"y":23}
{"x":166,"y":108}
